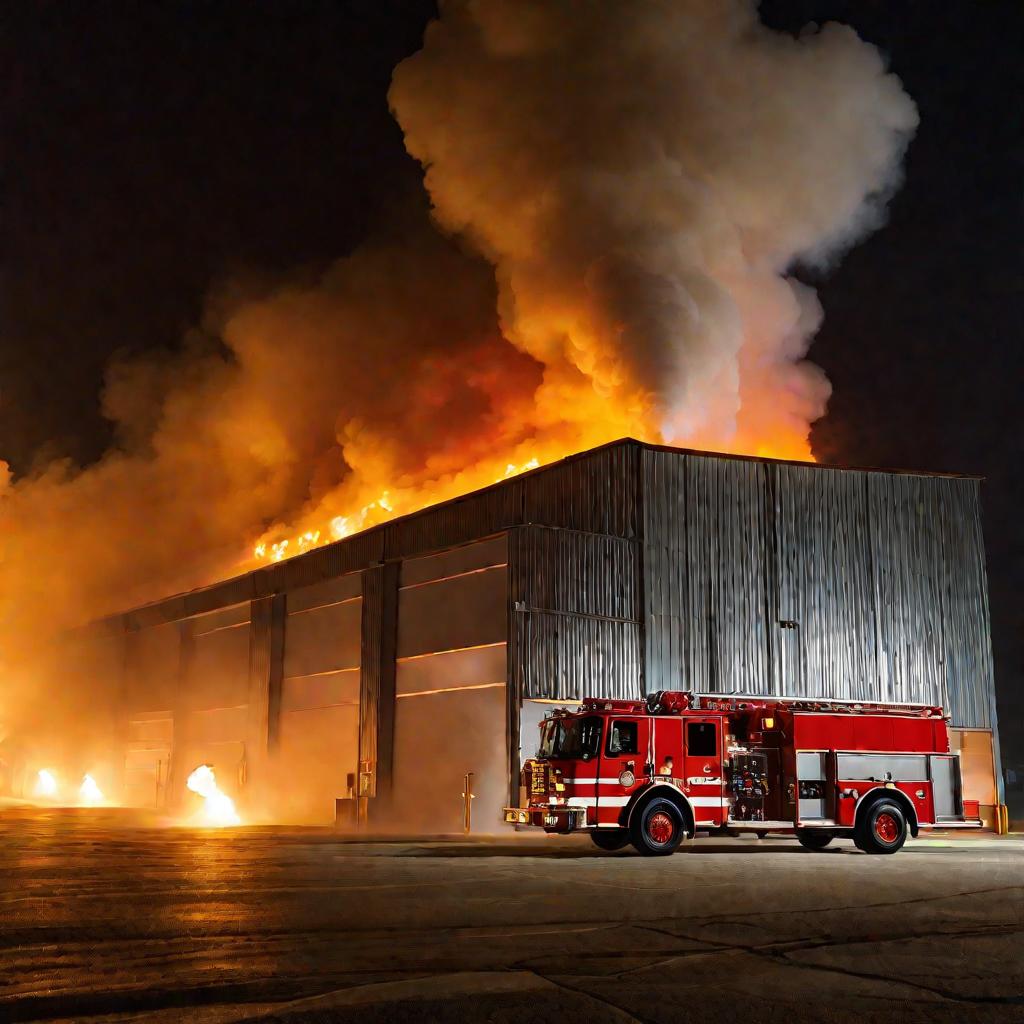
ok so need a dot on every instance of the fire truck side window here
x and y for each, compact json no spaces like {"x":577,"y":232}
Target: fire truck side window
{"x":622,"y":738}
{"x":700,"y":739}
{"x":548,"y":739}
{"x":575,"y":738}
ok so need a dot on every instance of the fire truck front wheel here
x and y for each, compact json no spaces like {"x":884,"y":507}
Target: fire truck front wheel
{"x":882,"y":828}
{"x":657,"y":828}
{"x":610,"y":839}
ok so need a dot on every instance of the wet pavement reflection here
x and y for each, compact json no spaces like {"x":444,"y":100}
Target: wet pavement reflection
{"x":107,"y":915}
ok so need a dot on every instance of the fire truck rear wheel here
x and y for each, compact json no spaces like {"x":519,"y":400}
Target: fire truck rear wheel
{"x":882,"y":828}
{"x":657,"y":828}
{"x":814,"y":839}
{"x":610,"y":839}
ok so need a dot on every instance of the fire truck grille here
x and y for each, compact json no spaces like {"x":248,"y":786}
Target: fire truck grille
{"x":538,"y":780}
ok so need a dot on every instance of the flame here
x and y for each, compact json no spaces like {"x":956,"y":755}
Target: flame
{"x":513,"y":470}
{"x":342,"y":526}
{"x":403,"y":500}
{"x":46,"y":784}
{"x":386,"y":506}
{"x":218,"y":808}
{"x":89,"y":793}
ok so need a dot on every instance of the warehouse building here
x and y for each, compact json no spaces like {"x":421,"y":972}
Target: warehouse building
{"x":392,"y":663}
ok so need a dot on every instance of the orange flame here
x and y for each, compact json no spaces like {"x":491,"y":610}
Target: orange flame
{"x":46,"y":785}
{"x":89,"y":793}
{"x":218,"y":808}
{"x":381,"y":509}
{"x":399,"y":500}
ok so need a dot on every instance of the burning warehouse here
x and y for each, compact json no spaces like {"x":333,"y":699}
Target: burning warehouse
{"x":619,"y":205}
{"x":393,"y":663}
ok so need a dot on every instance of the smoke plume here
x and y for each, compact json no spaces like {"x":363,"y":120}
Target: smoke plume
{"x":619,"y":191}
{"x":642,"y":175}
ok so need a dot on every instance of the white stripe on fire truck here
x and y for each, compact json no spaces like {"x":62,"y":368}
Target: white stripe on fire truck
{"x":593,"y":782}
{"x":616,"y":782}
{"x":621,"y":801}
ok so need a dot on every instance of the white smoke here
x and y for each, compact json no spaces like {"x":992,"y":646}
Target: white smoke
{"x":642,"y":174}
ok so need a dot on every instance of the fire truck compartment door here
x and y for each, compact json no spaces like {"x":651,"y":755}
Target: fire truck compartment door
{"x":946,"y":788}
{"x":702,"y":767}
{"x":883,"y":767}
{"x":810,"y":778}
{"x":668,"y":747}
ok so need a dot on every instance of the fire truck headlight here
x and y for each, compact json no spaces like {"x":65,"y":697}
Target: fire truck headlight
{"x":523,"y":817}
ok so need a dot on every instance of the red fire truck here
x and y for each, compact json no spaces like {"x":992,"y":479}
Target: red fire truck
{"x":654,"y":772}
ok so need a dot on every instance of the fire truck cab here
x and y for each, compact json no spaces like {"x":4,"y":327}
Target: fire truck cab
{"x":655,"y":772}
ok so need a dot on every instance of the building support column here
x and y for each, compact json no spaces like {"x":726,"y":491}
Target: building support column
{"x":266,"y":671}
{"x":377,"y":681}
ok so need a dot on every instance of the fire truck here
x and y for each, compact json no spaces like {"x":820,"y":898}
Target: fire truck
{"x":655,"y":772}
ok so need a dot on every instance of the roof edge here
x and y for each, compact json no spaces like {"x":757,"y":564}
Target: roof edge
{"x":236,"y":584}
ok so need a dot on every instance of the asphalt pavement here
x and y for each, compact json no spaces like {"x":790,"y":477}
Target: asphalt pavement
{"x":106,"y":917}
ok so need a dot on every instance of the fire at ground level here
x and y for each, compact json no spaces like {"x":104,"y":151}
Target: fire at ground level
{"x":103,"y":917}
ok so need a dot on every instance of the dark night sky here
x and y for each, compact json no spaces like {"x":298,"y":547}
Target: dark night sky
{"x":152,"y":150}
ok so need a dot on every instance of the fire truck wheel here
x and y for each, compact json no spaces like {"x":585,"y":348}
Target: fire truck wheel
{"x":814,"y":839}
{"x":882,"y":829}
{"x":657,"y":828}
{"x":609,"y":839}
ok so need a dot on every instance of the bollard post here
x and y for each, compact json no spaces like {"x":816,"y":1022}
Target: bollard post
{"x":467,"y":798}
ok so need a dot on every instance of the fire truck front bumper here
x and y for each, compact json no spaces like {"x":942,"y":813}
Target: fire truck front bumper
{"x":551,"y":818}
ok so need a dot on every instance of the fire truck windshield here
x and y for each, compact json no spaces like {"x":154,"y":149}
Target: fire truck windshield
{"x":571,"y":738}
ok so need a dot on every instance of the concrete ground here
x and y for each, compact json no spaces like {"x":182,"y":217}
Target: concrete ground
{"x":102,"y":919}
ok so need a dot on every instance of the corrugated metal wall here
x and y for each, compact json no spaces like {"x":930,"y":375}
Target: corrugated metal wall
{"x":905,"y":518}
{"x":318,"y":716}
{"x":967,"y":644}
{"x":821,"y":620}
{"x":803,"y":580}
{"x":704,"y":574}
{"x":151,"y":670}
{"x":211,"y":712}
{"x":575,"y":606}
{"x":451,"y":688}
